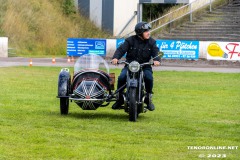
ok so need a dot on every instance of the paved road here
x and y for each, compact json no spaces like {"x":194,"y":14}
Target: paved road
{"x":170,"y":65}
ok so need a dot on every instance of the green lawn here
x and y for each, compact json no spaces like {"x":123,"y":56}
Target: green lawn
{"x":192,"y":109}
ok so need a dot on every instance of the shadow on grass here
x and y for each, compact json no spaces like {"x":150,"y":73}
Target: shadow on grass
{"x":118,"y":115}
{"x":98,"y":115}
{"x":115,"y":115}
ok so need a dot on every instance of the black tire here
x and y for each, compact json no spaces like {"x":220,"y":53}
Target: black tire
{"x":132,"y":105}
{"x":64,"y":106}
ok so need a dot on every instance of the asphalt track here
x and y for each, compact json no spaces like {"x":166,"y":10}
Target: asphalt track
{"x":166,"y":65}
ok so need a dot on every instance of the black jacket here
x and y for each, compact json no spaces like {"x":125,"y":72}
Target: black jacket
{"x":137,"y":49}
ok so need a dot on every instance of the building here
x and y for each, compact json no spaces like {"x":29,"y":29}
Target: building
{"x":118,"y":17}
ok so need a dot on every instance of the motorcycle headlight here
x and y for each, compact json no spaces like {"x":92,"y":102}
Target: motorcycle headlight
{"x":134,"y":66}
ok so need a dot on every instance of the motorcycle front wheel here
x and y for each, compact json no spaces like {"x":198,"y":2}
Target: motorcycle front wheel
{"x":132,"y":105}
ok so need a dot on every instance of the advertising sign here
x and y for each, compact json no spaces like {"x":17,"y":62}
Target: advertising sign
{"x":119,"y":42}
{"x":223,"y":50}
{"x":173,"y":49}
{"x":81,"y":46}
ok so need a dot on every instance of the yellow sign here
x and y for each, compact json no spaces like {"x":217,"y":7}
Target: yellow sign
{"x":215,"y":50}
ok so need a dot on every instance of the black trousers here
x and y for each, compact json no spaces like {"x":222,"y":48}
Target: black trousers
{"x":148,"y":78}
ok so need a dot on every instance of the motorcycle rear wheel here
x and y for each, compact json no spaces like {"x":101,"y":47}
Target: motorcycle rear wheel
{"x":133,"y":114}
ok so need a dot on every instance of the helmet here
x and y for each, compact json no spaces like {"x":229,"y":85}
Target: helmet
{"x":142,"y":27}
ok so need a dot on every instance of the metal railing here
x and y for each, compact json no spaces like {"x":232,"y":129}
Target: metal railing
{"x":177,"y":14}
{"x":180,"y":13}
{"x":130,"y":20}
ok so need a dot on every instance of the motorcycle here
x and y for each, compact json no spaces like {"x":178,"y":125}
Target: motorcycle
{"x":92,"y":86}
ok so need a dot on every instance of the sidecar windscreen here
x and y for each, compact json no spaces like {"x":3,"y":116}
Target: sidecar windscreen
{"x":91,"y":62}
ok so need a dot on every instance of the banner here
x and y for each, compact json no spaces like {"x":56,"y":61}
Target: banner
{"x":119,"y":42}
{"x":222,"y":50}
{"x":173,"y":49}
{"x":81,"y":46}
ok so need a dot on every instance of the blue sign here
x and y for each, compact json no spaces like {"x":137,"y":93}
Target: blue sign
{"x":173,"y":49}
{"x":81,"y":46}
{"x":119,"y":42}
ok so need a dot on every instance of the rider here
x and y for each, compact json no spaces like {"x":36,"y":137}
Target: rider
{"x":141,"y":48}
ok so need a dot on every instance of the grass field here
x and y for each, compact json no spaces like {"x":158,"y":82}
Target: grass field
{"x":192,"y":109}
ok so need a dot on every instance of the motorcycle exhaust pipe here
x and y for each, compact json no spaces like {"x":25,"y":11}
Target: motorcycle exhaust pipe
{"x":125,"y":103}
{"x":144,"y":110}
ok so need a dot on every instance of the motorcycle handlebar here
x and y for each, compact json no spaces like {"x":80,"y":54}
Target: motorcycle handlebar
{"x":122,"y":62}
{"x":143,"y":64}
{"x":147,"y":63}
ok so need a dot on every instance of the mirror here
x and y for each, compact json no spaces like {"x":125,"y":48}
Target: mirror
{"x":160,"y":54}
{"x":151,"y":61}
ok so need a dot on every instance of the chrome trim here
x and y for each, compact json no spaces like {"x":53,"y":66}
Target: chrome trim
{"x":82,"y":72}
{"x":125,"y":103}
{"x":80,"y":99}
{"x":65,"y":69}
{"x":143,"y":98}
{"x":134,"y":64}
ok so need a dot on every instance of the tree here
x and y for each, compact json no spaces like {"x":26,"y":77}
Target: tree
{"x":152,"y":11}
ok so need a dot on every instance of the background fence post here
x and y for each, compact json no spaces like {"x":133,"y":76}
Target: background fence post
{"x":190,"y":5}
{"x":170,"y":23}
{"x":210,"y":5}
{"x":139,"y":12}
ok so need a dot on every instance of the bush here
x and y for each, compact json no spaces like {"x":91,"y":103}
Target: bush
{"x":68,"y":7}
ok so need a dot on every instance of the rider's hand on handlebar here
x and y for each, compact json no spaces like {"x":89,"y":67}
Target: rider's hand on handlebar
{"x":156,"y":63}
{"x":115,"y":61}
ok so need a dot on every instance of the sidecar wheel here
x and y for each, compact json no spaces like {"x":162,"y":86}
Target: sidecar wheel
{"x":132,"y":105}
{"x":64,"y":105}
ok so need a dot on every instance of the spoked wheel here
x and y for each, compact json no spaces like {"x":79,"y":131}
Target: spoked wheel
{"x":64,"y":105}
{"x":133,"y":114}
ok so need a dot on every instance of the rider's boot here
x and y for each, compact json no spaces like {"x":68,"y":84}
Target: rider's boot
{"x":148,"y":101}
{"x":118,"y":104}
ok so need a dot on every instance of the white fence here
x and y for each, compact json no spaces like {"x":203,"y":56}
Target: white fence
{"x":3,"y":47}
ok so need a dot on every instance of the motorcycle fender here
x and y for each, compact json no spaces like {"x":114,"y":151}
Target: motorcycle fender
{"x":133,"y":83}
{"x":63,"y":83}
